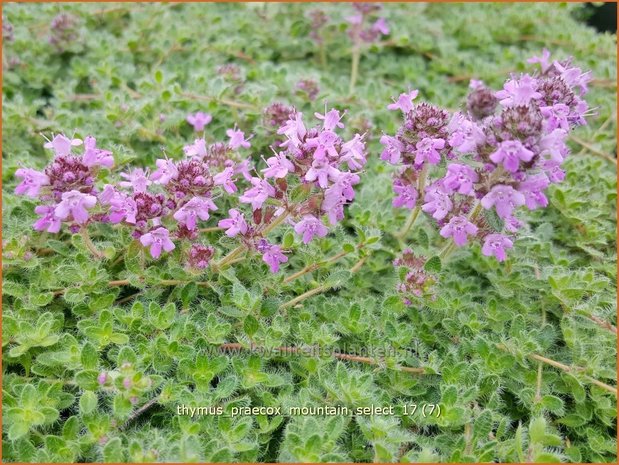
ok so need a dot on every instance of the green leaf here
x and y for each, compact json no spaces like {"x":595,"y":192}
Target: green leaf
{"x":89,"y":357}
{"x":433,"y":265}
{"x":87,"y":379}
{"x":88,"y":402}
{"x":288,"y":240}
{"x":250,"y":325}
{"x":122,"y":406}
{"x":113,"y":451}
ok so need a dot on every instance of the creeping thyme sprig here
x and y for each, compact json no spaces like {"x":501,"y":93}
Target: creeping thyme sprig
{"x":362,"y":29}
{"x":309,"y":177}
{"x":500,"y":153}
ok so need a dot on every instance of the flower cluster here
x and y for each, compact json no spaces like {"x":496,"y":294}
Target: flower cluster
{"x":168,"y":204}
{"x":361,"y":28}
{"x":309,"y":88}
{"x":318,"y":20}
{"x":64,"y":32}
{"x":7,"y":30}
{"x":317,"y":165}
{"x":179,"y":192}
{"x":415,"y":281}
{"x":499,"y":154}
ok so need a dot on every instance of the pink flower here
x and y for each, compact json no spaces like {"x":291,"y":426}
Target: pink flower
{"x":533,"y":189}
{"x":557,"y":116}
{"x":407,"y":195}
{"x":279,"y":166}
{"x":258,"y":194}
{"x":48,"y":221}
{"x":353,"y":153}
{"x":553,"y":171}
{"x":342,"y":187}
{"x":574,"y":76}
{"x":32,"y":181}
{"x":404,"y":102}
{"x":294,"y":130}
{"x":123,"y":207}
{"x":355,"y":20}
{"x":465,"y":134}
{"x":200,"y":256}
{"x":544,"y":60}
{"x":331,"y":119}
{"x":237,"y":139}
{"x":102,"y":378}
{"x":197,"y":149}
{"x":199,"y":120}
{"x":309,"y":227}
{"x":94,"y":156}
{"x":511,"y":153}
{"x":136,"y":179}
{"x":225,"y":179}
{"x":157,"y":239}
{"x":324,"y":144}
{"x":504,"y":198}
{"x":322,"y":171}
{"x":272,"y":255}
{"x":393,"y":149}
{"x":427,"y":150}
{"x":553,"y":145}
{"x":519,"y":91}
{"x":243,"y":168}
{"x":107,"y":194}
{"x":166,"y":171}
{"x":235,"y":224}
{"x":76,"y":204}
{"x":62,"y":145}
{"x":437,"y":202}
{"x":196,"y":208}
{"x":495,"y":244}
{"x":460,"y":179}
{"x":381,"y":26}
{"x":476,"y":84}
{"x":459,"y":228}
{"x":337,"y":195}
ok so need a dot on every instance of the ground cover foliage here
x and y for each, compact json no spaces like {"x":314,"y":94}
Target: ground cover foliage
{"x":519,"y":355}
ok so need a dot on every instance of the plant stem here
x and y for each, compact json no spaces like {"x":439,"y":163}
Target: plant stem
{"x":357,"y":266}
{"x":223,"y":101}
{"x":163,"y":282}
{"x":228,"y":258}
{"x":48,"y":380}
{"x":593,"y":150}
{"x":139,"y":412}
{"x":319,"y":289}
{"x":538,"y":386}
{"x":409,"y":223}
{"x":420,"y":185}
{"x":235,"y":346}
{"x":88,"y":243}
{"x":354,"y":70}
{"x":212,"y":229}
{"x":601,"y":323}
{"x":323,"y":56}
{"x":567,"y":369}
{"x":279,"y":220}
{"x":315,"y":266}
{"x":241,"y":248}
{"x":305,"y":295}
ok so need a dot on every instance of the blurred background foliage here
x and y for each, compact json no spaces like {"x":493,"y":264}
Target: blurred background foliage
{"x":129,"y":74}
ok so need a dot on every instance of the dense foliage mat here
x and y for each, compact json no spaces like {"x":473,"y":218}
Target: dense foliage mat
{"x":107,"y":356}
